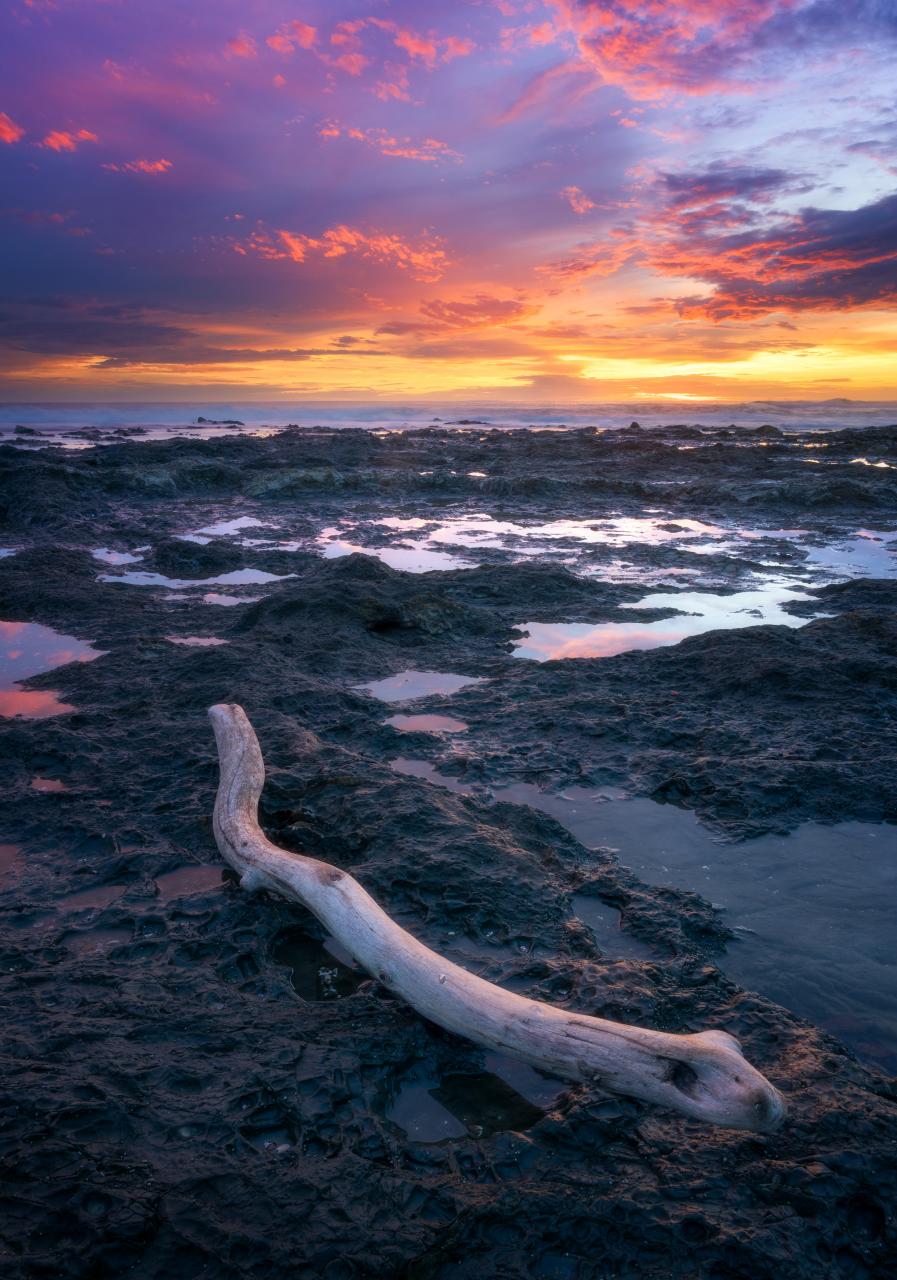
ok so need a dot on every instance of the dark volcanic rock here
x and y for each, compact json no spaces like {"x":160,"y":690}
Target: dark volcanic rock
{"x":756,"y":729}
{"x":171,"y":1109}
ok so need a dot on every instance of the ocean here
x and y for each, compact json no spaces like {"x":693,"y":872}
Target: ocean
{"x":164,"y":419}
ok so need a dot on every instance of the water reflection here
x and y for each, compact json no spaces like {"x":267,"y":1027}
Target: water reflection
{"x":871,"y":554}
{"x":9,"y":856}
{"x":318,"y":970}
{"x":423,"y":769}
{"x":813,"y":910}
{"x":413,"y":556}
{"x":237,"y":577}
{"x":196,"y":642}
{"x":195,"y":878}
{"x":409,"y":685}
{"x":472,"y":1104}
{"x":217,"y":597}
{"x":27,"y":649}
{"x":109,"y":556}
{"x":706,"y":611}
{"x":92,"y":899}
{"x":47,"y":784}
{"x":226,"y":528}
{"x":427,"y":724}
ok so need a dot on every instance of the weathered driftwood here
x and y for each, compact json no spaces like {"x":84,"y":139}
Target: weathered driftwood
{"x":704,"y":1076}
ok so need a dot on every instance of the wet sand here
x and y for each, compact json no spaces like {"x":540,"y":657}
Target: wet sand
{"x":197,"y":1084}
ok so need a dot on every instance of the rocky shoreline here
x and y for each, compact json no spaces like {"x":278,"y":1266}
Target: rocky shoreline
{"x":171,"y":1106}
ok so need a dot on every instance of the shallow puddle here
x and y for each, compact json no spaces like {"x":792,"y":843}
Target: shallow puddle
{"x":507,"y":1095}
{"x":196,"y":878}
{"x":582,"y":545}
{"x":215,"y":597}
{"x":318,"y":970}
{"x":408,"y":686}
{"x":9,"y":857}
{"x":605,"y":921}
{"x":109,"y":556}
{"x":701,"y":612}
{"x":813,"y":910}
{"x":27,"y":649}
{"x":197,"y":642}
{"x":427,"y":724}
{"x":423,"y":769}
{"x":227,"y":528}
{"x":871,"y":554}
{"x":414,"y":556}
{"x":236,"y":578}
{"x":94,"y":899}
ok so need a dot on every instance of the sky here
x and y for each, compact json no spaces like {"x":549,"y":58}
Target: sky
{"x":541,"y":200}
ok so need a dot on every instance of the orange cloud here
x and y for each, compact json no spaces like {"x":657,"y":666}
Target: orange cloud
{"x":242,"y":46}
{"x":9,"y":130}
{"x":60,"y":140}
{"x":427,"y":261}
{"x":477,"y":312}
{"x":577,"y":199}
{"x":602,"y":258}
{"x":140,"y":166}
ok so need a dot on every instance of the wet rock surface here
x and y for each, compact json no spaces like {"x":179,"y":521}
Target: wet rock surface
{"x":173,"y":1106}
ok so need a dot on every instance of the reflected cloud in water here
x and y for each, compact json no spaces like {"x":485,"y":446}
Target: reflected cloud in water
{"x":28,"y":649}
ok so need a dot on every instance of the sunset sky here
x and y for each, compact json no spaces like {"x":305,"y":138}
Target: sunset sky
{"x":522,"y":199}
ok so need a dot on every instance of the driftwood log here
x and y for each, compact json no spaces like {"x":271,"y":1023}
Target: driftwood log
{"x":704,"y":1076}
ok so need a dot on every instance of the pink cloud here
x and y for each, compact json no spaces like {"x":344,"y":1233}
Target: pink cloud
{"x":428,"y":49}
{"x":396,"y":84}
{"x":426,"y":261}
{"x":140,"y":166}
{"x":577,"y":199}
{"x":242,"y":46}
{"x":9,"y":130}
{"x":352,"y":63}
{"x":60,"y":140}
{"x":650,"y":47}
{"x":388,"y":144}
{"x":292,"y":36}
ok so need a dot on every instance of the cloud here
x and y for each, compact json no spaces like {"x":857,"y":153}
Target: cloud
{"x":424,"y":149}
{"x":9,"y":130}
{"x":140,"y":166}
{"x":599,"y":258}
{"x":395,"y":85}
{"x":59,"y":140}
{"x":292,"y":36}
{"x":428,"y":48}
{"x":481,"y":310}
{"x":724,"y":182}
{"x":577,"y":199}
{"x":123,"y":336}
{"x":242,"y":46}
{"x":817,"y":259}
{"x":651,"y":48}
{"x":426,"y":261}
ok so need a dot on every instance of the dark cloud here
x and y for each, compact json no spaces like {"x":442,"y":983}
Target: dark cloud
{"x":822,"y":258}
{"x":119,"y":336}
{"x":726,"y":182}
